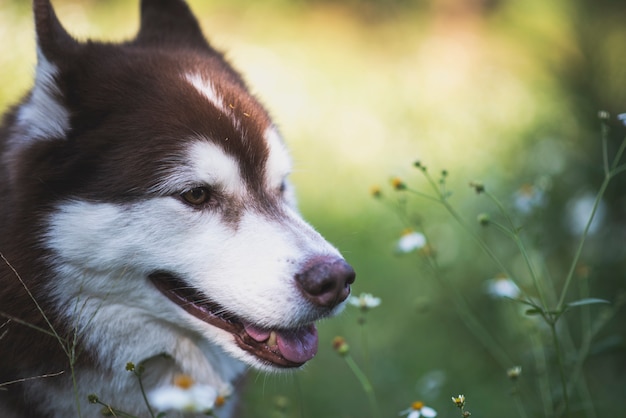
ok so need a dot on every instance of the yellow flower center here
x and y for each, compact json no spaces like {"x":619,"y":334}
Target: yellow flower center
{"x":417,"y":405}
{"x":397,"y":183}
{"x":183,"y":381}
{"x":219,"y":401}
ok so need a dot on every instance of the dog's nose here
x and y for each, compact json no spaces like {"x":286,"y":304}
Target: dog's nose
{"x":326,"y":281}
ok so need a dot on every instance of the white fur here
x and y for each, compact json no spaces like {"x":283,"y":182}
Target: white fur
{"x":205,"y":88}
{"x":279,"y":163}
{"x":212,"y":166}
{"x":43,"y":116}
{"x":104,"y":253}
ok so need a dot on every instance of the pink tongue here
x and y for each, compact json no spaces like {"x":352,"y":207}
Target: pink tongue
{"x":258,"y":334}
{"x":298,"y":345}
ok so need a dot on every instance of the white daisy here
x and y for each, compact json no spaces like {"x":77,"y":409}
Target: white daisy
{"x":418,"y":409}
{"x":411,"y":241}
{"x":502,"y":287}
{"x":364,"y":301}
{"x":184,"y":395}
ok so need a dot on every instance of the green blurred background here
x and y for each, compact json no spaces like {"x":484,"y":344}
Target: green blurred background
{"x":505,"y":91}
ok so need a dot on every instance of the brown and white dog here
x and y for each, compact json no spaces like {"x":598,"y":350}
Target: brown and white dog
{"x":146,"y":217}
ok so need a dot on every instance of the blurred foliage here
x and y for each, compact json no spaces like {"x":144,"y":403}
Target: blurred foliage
{"x":498,"y":90}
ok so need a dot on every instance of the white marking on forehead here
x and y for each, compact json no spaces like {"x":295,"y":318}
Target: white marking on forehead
{"x":278,"y":164}
{"x":42,"y":116}
{"x":206,"y":88}
{"x":211,"y":165}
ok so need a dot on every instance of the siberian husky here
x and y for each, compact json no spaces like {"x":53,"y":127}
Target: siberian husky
{"x":146,"y":217}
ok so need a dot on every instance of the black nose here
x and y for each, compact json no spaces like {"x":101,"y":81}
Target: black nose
{"x":326,"y":281}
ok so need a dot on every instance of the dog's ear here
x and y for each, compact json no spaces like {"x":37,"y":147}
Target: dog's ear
{"x":169,"y":22}
{"x":43,"y":115}
{"x":52,"y":38}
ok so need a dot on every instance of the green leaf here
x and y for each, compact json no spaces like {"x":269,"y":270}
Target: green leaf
{"x":533,"y":311}
{"x":586,"y":301}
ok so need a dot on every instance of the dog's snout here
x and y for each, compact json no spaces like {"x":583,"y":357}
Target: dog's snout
{"x":326,"y":281}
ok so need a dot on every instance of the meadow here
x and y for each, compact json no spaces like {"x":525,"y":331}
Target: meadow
{"x":467,"y":159}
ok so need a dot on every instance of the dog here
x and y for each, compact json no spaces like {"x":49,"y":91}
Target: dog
{"x":147,"y":223}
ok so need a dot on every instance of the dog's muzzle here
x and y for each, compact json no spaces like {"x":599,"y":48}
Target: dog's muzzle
{"x":323,"y":281}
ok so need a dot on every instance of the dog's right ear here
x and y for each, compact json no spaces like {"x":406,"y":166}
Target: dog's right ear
{"x":169,"y":22}
{"x":53,"y":40}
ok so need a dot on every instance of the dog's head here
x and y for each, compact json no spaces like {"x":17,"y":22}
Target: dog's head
{"x":159,"y":170}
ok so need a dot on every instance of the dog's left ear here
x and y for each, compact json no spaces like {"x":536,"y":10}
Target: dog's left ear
{"x":52,"y":38}
{"x":169,"y":22}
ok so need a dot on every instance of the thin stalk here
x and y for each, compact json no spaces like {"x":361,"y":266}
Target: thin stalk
{"x":514,"y":235}
{"x":609,"y":173}
{"x":583,"y":238}
{"x":557,"y":350}
{"x":471,"y":322}
{"x":143,"y":394}
{"x":519,"y":405}
{"x":62,"y":342}
{"x":365,"y":344}
{"x":473,"y":235}
{"x":541,"y":365}
{"x":618,"y":156}
{"x":112,"y":411}
{"x":365,"y":384}
{"x":26,"y":379}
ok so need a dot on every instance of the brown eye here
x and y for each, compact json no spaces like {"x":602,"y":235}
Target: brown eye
{"x":196,"y":196}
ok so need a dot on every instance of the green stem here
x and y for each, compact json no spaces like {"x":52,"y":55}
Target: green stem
{"x":143,"y":392}
{"x":518,"y":402}
{"x":514,"y":235}
{"x":583,"y":238}
{"x":557,"y":350}
{"x":365,"y":383}
{"x":364,"y":344}
{"x":470,"y":321}
{"x":618,"y":156}
{"x":541,"y":364}
{"x":608,"y":176}
{"x":115,"y":412}
{"x":472,"y":234}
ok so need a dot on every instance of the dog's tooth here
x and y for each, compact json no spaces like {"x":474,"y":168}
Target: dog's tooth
{"x":271,"y":341}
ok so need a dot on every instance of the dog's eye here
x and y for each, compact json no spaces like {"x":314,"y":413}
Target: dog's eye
{"x":283,"y":187}
{"x":196,"y":196}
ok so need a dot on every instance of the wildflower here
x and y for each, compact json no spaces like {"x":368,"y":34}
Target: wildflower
{"x":514,"y":372}
{"x":418,"y":409}
{"x":483,"y":219}
{"x":502,"y":287}
{"x":527,"y":198}
{"x":341,"y":346}
{"x":411,"y":241}
{"x":184,"y":395}
{"x":579,"y":210}
{"x":364,"y":301}
{"x":604,"y":115}
{"x":478,"y":186}
{"x":622,"y":118}
{"x":398,"y":184}
{"x":375,"y":191}
{"x":223,"y":394}
{"x":459,"y":401}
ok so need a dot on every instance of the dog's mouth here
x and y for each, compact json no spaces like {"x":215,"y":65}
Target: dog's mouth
{"x":285,"y":348}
